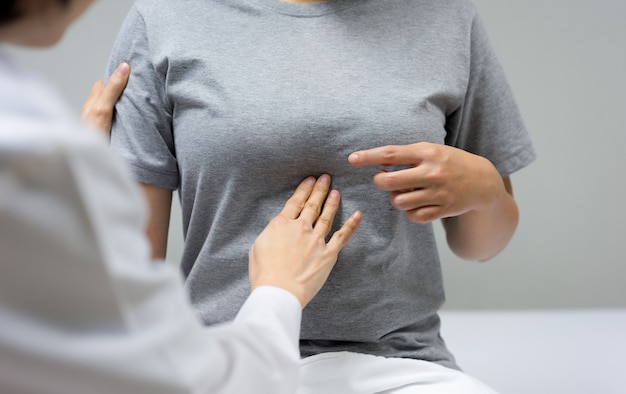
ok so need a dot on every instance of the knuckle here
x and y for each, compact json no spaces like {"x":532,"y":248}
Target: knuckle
{"x":431,"y":150}
{"x":324,"y":221}
{"x":312,"y":205}
{"x":320,"y":188}
{"x":116,"y":84}
{"x":280,"y":219}
{"x":340,"y":238}
{"x":426,"y":146}
{"x":298,"y":204}
{"x":102,"y":110}
{"x":389,"y":152}
{"x":398,"y":201}
{"x":432,"y":174}
{"x":421,"y":216}
{"x":346,"y":230}
{"x":446,"y":198}
{"x":435,"y":176}
{"x":302,"y":226}
{"x":388,"y":181}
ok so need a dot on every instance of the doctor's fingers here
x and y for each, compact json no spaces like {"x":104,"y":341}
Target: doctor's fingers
{"x":343,"y":235}
{"x":115,"y":85}
{"x":313,"y":206}
{"x":308,"y":199}
{"x":88,"y":110}
{"x":324,"y":222}
{"x":295,"y":204}
{"x":98,"y":108}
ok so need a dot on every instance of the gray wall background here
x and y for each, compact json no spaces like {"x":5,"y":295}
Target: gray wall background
{"x":565,"y":60}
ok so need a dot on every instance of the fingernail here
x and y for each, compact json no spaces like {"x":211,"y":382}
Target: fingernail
{"x":325,"y":179}
{"x":353,"y":158}
{"x":123,"y":69}
{"x":310,"y":180}
{"x":333,"y":195}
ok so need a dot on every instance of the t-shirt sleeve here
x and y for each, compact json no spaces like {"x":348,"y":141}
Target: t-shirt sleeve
{"x":489,"y":122}
{"x":142,"y":128}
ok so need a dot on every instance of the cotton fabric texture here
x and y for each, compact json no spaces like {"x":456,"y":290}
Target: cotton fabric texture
{"x":233,"y":102}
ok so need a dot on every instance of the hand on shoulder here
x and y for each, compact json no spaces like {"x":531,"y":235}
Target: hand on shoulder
{"x":98,"y":108}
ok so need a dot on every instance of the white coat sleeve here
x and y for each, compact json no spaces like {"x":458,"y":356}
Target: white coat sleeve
{"x":83,"y":310}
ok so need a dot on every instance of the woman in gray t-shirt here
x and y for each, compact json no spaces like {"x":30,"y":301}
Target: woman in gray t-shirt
{"x":233,"y":102}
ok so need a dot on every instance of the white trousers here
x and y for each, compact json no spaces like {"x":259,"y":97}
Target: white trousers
{"x":354,"y":373}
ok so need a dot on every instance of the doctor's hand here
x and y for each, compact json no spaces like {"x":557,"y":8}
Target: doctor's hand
{"x":440,"y":181}
{"x":98,"y":109}
{"x":292,"y":252}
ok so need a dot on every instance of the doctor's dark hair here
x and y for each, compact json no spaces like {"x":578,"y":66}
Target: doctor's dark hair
{"x":12,"y":10}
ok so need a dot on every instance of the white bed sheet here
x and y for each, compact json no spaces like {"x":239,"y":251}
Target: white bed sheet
{"x":544,"y":351}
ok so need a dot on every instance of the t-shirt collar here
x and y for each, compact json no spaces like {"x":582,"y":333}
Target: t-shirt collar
{"x":310,"y":10}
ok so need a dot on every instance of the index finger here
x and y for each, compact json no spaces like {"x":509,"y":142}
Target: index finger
{"x":385,"y":155}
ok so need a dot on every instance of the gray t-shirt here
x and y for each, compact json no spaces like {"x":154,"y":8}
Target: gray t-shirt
{"x":234,"y":102}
